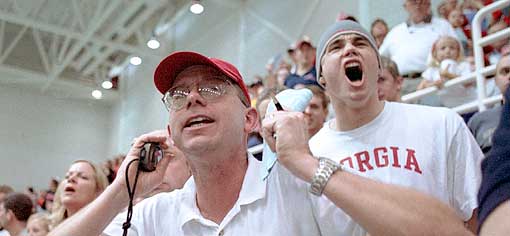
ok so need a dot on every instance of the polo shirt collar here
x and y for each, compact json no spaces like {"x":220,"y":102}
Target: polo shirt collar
{"x":253,"y":189}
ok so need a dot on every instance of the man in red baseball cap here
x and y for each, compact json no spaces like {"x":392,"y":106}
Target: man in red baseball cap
{"x":210,"y":119}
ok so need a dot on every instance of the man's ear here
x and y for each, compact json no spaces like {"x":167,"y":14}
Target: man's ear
{"x":9,"y":215}
{"x":252,"y":121}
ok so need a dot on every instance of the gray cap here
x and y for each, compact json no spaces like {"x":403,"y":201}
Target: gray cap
{"x":339,"y":28}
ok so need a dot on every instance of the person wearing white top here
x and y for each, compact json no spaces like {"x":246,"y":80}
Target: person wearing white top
{"x":408,"y":44}
{"x":425,"y":148}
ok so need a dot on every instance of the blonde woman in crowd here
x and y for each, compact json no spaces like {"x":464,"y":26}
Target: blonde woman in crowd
{"x":38,"y":224}
{"x":83,"y":182}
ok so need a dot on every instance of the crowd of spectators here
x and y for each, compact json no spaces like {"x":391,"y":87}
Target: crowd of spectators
{"x":425,"y":50}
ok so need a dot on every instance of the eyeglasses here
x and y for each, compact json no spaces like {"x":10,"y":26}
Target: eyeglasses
{"x":210,"y":88}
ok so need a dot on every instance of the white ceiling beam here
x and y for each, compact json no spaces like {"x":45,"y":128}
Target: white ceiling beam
{"x":13,"y":18}
{"x":14,"y":6}
{"x":63,"y":49}
{"x":9,"y":49}
{"x":176,"y":17}
{"x":139,"y":37}
{"x":20,"y":34}
{"x":42,"y":51}
{"x":78,"y":15}
{"x":115,"y":27}
{"x":2,"y":34}
{"x":65,"y":45}
{"x":308,"y":17}
{"x":96,"y":24}
{"x":55,"y":38}
{"x":123,"y":36}
{"x":270,"y":26}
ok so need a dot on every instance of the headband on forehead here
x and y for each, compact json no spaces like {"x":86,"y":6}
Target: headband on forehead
{"x":334,"y":31}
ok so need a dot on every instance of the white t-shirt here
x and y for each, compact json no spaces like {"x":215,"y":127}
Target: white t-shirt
{"x":409,"y":46}
{"x":455,"y":95}
{"x":429,"y":149}
{"x":279,"y":205}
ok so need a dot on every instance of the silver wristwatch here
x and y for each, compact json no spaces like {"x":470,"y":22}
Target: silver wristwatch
{"x":326,"y":168}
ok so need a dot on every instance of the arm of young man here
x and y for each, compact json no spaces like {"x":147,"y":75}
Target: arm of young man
{"x":94,"y":218}
{"x":381,"y":209}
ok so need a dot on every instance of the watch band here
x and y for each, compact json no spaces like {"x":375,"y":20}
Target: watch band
{"x":326,"y":168}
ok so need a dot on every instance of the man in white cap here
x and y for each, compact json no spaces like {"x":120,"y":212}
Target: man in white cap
{"x":425,"y":148}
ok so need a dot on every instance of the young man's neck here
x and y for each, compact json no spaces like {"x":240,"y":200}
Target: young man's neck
{"x":218,"y":185}
{"x":16,"y":228}
{"x":303,"y":68}
{"x":349,"y":118}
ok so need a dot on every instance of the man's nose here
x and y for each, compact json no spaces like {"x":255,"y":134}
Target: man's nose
{"x":194,"y":97}
{"x":349,"y":49}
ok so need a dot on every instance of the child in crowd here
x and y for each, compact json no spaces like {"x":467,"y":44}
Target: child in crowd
{"x":457,"y":20}
{"x":38,"y":224}
{"x":447,"y":62}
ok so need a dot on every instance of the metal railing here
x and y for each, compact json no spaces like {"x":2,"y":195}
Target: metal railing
{"x":480,"y":72}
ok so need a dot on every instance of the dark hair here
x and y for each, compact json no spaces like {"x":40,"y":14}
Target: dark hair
{"x":318,"y":91}
{"x":20,"y":204}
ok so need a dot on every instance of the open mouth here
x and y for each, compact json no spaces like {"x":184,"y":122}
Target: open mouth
{"x":353,"y":71}
{"x":198,"y":121}
{"x":69,"y":189}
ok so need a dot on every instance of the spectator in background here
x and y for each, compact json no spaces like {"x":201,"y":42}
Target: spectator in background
{"x":305,"y":68}
{"x":409,"y":43}
{"x":483,"y":124}
{"x":448,"y":63}
{"x":83,"y":182}
{"x":4,"y":190}
{"x":457,"y":20}
{"x":38,"y":224}
{"x":389,"y":83}
{"x":108,"y":170}
{"x":379,"y":29}
{"x":255,"y":88}
{"x":14,"y":213}
{"x":445,"y":7}
{"x":317,"y":110}
{"x":497,"y":46}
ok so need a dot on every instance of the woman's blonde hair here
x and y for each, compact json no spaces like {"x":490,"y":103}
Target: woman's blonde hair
{"x":58,"y":211}
{"x":433,"y":62}
{"x":42,"y":217}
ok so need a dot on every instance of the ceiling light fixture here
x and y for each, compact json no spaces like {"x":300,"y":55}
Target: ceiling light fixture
{"x":135,"y":60}
{"x":97,"y":94}
{"x":196,"y":7}
{"x":107,"y":84}
{"x":153,"y":43}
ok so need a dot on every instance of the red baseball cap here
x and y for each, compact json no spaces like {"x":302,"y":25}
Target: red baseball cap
{"x":175,"y":63}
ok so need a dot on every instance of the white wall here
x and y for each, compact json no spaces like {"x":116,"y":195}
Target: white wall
{"x":41,"y":135}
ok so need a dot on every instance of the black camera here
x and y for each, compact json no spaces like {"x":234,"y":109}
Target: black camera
{"x":150,"y":155}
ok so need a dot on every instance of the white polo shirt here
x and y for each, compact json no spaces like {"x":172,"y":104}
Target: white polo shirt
{"x":279,"y":205}
{"x":410,"y":46}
